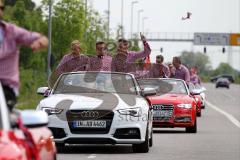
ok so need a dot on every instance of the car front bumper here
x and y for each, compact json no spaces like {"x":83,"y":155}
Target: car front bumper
{"x":139,"y":124}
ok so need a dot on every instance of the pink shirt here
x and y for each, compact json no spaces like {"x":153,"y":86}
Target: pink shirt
{"x":194,"y":79}
{"x":100,"y":63}
{"x":13,"y":37}
{"x":73,"y":63}
{"x":182,"y":73}
{"x":123,"y":62}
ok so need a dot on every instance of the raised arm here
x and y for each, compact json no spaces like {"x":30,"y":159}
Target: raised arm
{"x":146,"y":52}
{"x":33,"y":40}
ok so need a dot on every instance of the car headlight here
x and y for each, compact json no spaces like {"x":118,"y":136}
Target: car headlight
{"x":187,"y":106}
{"x":50,"y":111}
{"x":135,"y":112}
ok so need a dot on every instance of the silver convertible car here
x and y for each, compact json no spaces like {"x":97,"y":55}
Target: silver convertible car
{"x":98,"y":108}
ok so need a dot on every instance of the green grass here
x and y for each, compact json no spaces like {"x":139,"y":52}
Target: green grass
{"x":30,"y":81}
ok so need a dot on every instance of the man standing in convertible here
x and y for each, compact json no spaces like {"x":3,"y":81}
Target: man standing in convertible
{"x":124,"y":58}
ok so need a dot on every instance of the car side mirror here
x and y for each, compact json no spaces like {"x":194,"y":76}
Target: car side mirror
{"x":34,"y":119}
{"x":148,"y":92}
{"x":45,"y":91}
{"x":193,"y":93}
{"x":204,"y":89}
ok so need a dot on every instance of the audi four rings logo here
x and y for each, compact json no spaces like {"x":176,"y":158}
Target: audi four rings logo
{"x":89,"y":114}
{"x":158,"y":107}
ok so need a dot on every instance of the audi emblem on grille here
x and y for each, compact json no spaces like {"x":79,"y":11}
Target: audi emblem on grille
{"x":89,"y":114}
{"x":157,"y":107}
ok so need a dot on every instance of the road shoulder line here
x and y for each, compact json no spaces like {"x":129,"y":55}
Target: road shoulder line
{"x":229,"y":116}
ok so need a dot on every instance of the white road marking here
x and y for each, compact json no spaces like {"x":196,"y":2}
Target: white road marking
{"x":92,"y":156}
{"x":229,"y":116}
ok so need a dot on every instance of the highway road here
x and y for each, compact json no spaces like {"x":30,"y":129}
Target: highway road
{"x":218,"y":136}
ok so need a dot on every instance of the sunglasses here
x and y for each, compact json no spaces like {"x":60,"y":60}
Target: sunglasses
{"x":2,"y":8}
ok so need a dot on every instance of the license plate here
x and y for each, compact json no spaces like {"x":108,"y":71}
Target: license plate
{"x":161,"y":114}
{"x":89,"y":124}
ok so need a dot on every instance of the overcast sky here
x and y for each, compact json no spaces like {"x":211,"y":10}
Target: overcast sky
{"x":165,"y":16}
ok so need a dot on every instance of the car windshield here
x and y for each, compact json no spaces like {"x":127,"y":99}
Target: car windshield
{"x":96,"y":82}
{"x":191,"y":86}
{"x":223,"y":79}
{"x":163,"y":86}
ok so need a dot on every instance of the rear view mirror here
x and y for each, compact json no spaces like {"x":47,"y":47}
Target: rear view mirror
{"x":33,"y":119}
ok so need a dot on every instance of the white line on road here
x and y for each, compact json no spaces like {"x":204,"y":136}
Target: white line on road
{"x":92,"y":156}
{"x":229,"y":116}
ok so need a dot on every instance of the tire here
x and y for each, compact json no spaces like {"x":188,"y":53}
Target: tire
{"x":199,"y":114}
{"x":143,"y":147}
{"x":55,"y":157}
{"x":192,"y":129}
{"x":60,"y":147}
{"x":151,"y":140}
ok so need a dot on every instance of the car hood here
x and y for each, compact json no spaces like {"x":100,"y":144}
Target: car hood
{"x":90,"y":101}
{"x":170,"y":99}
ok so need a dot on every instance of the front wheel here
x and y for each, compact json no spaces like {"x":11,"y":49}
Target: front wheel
{"x":143,"y":147}
{"x":151,"y":140}
{"x":192,"y":129}
{"x":199,"y":114}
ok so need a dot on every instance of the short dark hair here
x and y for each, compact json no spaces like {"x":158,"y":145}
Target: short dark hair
{"x":160,"y":57}
{"x":122,"y":40}
{"x":178,"y":59}
{"x":100,"y":42}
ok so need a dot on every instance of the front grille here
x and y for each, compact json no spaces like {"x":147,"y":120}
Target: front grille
{"x":89,"y":115}
{"x":162,"y":112}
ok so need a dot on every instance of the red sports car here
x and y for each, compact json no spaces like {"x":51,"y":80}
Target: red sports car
{"x":24,"y":135}
{"x":173,"y":105}
{"x":196,"y":94}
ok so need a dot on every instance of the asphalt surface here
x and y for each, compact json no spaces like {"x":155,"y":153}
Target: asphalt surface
{"x":218,"y":137}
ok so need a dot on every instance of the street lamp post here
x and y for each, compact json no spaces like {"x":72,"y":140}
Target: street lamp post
{"x":85,"y":15}
{"x":122,"y":7}
{"x":50,"y":39}
{"x":108,"y":29}
{"x":143,"y":23}
{"x":138,"y":25}
{"x":133,"y":2}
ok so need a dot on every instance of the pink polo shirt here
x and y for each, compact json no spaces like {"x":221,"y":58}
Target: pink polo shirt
{"x":13,"y":37}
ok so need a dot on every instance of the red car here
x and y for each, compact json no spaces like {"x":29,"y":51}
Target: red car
{"x":173,"y":105}
{"x":196,"y":94}
{"x":24,"y":135}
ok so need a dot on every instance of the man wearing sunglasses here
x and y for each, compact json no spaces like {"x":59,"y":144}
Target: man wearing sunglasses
{"x":11,"y":38}
{"x":124,"y":58}
{"x":102,"y":61}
